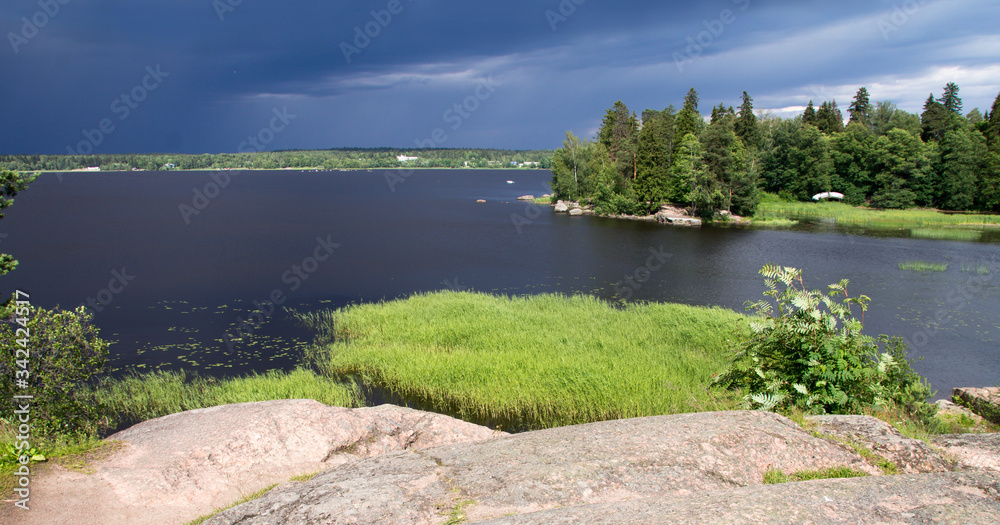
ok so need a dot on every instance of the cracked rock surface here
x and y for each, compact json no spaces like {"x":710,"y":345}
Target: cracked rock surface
{"x":584,"y":473}
{"x":176,"y":468}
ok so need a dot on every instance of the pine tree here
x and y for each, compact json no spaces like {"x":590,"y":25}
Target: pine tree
{"x":618,"y":134}
{"x":993,"y":130}
{"x":951,"y":100}
{"x":829,"y":119}
{"x":935,"y":120}
{"x":861,"y":108}
{"x":747,"y":128}
{"x":809,"y":116}
{"x":689,"y":119}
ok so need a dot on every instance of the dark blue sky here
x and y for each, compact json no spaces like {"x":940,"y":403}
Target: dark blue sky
{"x":201,"y":76}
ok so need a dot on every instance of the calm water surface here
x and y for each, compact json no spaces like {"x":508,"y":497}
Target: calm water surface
{"x":189,"y":283}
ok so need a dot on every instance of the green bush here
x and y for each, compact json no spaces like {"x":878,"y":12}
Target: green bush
{"x":63,"y":353}
{"x":806,"y":351}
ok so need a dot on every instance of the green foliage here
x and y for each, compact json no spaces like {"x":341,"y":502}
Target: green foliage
{"x":341,"y":158}
{"x":806,"y":351}
{"x":10,"y":185}
{"x":65,"y":353}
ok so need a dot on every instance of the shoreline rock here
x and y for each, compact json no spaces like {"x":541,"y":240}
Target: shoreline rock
{"x":982,"y":401}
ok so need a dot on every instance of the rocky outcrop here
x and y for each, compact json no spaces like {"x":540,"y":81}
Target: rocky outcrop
{"x":179,"y":467}
{"x":909,"y":456}
{"x":526,"y":198}
{"x":706,"y":466}
{"x":930,"y":498}
{"x":978,"y":451}
{"x":676,"y":216}
{"x":560,"y":207}
{"x":982,"y":401}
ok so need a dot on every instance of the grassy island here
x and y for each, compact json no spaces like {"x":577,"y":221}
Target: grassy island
{"x":533,"y":362}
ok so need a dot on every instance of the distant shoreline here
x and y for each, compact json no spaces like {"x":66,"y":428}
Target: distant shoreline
{"x":313,"y":170}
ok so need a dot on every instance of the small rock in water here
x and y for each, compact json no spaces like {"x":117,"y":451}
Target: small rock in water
{"x":526,"y":198}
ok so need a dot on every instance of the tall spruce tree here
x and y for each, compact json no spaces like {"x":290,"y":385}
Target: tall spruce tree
{"x":747,"y":127}
{"x":809,"y":115}
{"x":861,"y":108}
{"x":829,"y":119}
{"x":689,"y":119}
{"x":619,"y":132}
{"x":951,"y":101}
{"x":993,"y":129}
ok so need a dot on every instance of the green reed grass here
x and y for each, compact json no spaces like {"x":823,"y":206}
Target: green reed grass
{"x":952,"y":234}
{"x":977,"y":268}
{"x":923,"y":266}
{"x":774,"y":223}
{"x":539,"y":361}
{"x":138,"y":398}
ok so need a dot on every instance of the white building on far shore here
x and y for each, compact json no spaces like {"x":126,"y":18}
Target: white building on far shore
{"x":404,"y":158}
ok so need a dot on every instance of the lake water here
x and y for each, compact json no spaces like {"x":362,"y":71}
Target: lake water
{"x":173,"y":285}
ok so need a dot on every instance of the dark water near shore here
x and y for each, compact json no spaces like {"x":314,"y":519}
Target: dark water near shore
{"x":189,"y":284}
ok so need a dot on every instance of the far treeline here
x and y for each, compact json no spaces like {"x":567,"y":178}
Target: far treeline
{"x":884,"y":158}
{"x":353,"y":158}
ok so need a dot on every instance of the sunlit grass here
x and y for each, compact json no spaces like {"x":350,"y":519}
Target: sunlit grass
{"x":952,"y":234}
{"x":138,"y":398}
{"x":928,"y":223}
{"x":923,"y":266}
{"x":539,"y":361}
{"x":774,"y":223}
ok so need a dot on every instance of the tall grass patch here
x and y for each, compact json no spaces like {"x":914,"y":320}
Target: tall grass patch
{"x":923,"y":266}
{"x":922,"y":222}
{"x":138,"y":398}
{"x":534,"y":362}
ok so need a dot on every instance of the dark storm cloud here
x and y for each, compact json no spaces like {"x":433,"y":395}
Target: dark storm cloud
{"x":553,"y":65}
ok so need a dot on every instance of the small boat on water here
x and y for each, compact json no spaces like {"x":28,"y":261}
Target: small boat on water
{"x":510,"y":182}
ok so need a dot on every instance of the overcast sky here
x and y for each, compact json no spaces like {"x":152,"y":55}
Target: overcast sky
{"x":201,"y":76}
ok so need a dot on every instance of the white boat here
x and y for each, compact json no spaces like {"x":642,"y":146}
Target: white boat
{"x":510,"y":182}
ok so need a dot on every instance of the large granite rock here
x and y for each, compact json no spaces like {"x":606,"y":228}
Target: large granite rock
{"x":981,"y":451}
{"x":182,"y":466}
{"x":668,"y":458}
{"x":909,"y":455}
{"x":954,"y":498}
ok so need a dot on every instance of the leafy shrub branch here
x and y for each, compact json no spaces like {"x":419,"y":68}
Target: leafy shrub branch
{"x":807,"y":351}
